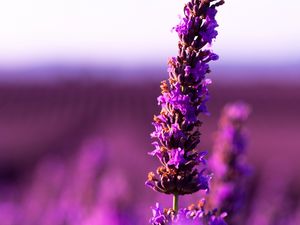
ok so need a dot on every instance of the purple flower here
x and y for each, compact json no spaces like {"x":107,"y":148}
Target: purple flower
{"x":193,"y":215}
{"x":156,"y":152}
{"x":199,"y":71}
{"x":213,"y":57}
{"x":183,"y":98}
{"x":211,"y":13}
{"x":158,"y":217}
{"x":176,"y":157}
{"x":183,"y":27}
{"x":228,"y":160}
{"x":210,"y":24}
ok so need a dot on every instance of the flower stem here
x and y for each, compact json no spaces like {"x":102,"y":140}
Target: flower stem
{"x":175,"y":203}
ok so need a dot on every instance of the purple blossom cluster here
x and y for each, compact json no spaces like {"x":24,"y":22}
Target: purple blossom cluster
{"x":183,"y":98}
{"x":193,"y":215}
{"x":228,"y":162}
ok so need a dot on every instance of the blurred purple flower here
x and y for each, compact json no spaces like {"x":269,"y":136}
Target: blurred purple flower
{"x":228,"y":160}
{"x":69,"y":191}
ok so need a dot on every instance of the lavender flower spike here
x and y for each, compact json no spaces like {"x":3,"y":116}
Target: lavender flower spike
{"x":182,"y":99}
{"x":228,"y":160}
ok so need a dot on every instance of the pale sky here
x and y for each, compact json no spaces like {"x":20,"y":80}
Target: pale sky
{"x":138,"y":31}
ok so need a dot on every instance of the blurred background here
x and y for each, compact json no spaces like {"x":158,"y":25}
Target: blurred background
{"x":78,"y":86}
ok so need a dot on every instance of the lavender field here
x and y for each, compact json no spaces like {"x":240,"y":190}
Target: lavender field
{"x":76,"y":152}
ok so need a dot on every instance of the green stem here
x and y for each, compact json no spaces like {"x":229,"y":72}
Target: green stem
{"x":175,"y":203}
